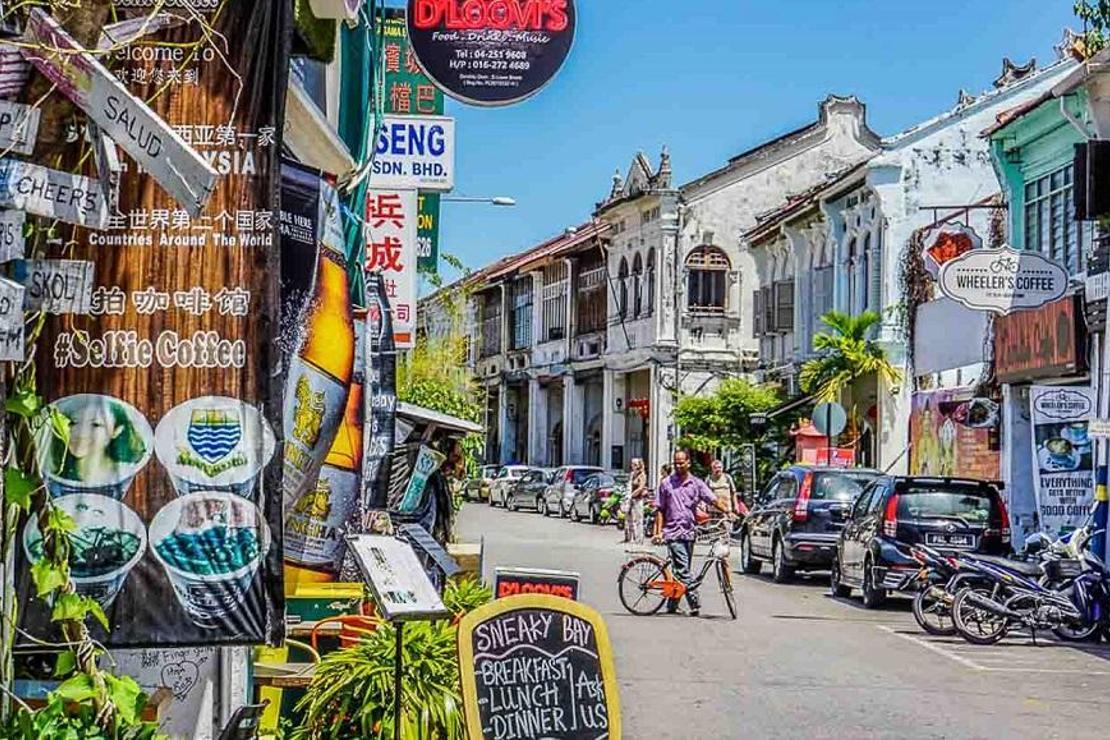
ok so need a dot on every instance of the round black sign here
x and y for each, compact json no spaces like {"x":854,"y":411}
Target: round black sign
{"x":491,"y":52}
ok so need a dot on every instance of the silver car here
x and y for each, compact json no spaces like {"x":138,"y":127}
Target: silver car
{"x":559,"y":496}
{"x":506,"y":478}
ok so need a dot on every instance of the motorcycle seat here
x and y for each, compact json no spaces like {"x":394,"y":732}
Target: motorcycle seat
{"x":1018,"y":566}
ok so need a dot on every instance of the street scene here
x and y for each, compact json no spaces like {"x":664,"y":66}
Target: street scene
{"x":800,"y":663}
{"x":554,"y":369}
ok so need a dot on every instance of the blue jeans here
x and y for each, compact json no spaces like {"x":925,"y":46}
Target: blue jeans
{"x":682,"y":557}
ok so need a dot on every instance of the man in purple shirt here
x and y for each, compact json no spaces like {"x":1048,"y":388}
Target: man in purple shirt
{"x":676,"y":502}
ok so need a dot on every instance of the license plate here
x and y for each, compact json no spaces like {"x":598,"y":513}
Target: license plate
{"x":950,"y":540}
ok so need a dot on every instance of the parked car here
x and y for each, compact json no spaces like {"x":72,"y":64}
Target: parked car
{"x":593,"y":492}
{"x":798,"y":517}
{"x":528,"y":491}
{"x":560,"y":494}
{"x":477,"y":488}
{"x":506,"y":477}
{"x":896,"y":512}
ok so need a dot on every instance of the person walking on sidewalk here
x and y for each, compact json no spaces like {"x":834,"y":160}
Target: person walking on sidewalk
{"x":637,"y":492}
{"x":676,"y":503}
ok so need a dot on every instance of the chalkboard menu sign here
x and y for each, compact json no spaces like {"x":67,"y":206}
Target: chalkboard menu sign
{"x":538,"y":667}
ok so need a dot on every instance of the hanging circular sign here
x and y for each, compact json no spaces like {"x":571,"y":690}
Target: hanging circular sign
{"x":491,"y":52}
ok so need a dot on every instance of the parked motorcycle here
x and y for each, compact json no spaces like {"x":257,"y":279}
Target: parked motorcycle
{"x":1064,"y":593}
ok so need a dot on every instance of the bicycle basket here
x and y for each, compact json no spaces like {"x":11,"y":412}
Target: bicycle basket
{"x":1059,"y":570}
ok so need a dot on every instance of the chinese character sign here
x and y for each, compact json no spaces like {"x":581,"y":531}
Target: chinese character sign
{"x":408,"y":91}
{"x":391,"y":228}
{"x":171,"y":470}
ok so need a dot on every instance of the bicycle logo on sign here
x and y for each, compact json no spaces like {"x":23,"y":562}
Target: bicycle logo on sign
{"x":1004,"y":264}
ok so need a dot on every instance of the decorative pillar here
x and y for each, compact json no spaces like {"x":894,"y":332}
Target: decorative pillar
{"x":608,"y":401}
{"x":505,"y":424}
{"x":537,"y":423}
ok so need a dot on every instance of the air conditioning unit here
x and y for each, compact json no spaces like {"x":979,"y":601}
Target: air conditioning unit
{"x":1091,"y":179}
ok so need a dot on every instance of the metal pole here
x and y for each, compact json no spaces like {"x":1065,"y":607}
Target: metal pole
{"x":397,"y":674}
{"x":828,"y":434}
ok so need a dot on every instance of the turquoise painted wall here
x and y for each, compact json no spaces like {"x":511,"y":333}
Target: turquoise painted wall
{"x":1042,"y":140}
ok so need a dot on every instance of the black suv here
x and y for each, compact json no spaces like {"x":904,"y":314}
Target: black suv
{"x":798,"y":517}
{"x":895,"y":512}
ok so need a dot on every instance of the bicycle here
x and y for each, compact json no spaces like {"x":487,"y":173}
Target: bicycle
{"x":647,"y":581}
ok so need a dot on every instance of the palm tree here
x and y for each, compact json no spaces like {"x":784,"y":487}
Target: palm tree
{"x":846,"y":353}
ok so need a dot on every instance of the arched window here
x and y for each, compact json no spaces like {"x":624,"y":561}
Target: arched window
{"x":707,"y":270}
{"x":637,"y":285}
{"x":622,"y":289}
{"x":651,"y":282}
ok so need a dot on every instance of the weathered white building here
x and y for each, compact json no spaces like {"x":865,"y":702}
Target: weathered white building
{"x":840,"y":245}
{"x":582,"y":343}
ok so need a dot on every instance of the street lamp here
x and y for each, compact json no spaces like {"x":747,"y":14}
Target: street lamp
{"x":500,"y":200}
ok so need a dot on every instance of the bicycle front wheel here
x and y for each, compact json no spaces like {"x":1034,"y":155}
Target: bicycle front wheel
{"x":725,"y":579}
{"x":640,"y":585}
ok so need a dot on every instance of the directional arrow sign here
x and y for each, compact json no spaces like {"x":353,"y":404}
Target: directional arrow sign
{"x":44,"y":192}
{"x":129,"y":121}
{"x":19,"y":126}
{"x":11,"y":320}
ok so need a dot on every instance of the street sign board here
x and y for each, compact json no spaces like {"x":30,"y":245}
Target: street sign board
{"x":11,"y":320}
{"x":19,"y":127}
{"x":1004,"y":280}
{"x":414,"y":152}
{"x":554,"y":651}
{"x":401,"y":588}
{"x":492,"y":52}
{"x":153,"y":143}
{"x":43,"y":192}
{"x":391,"y":221}
{"x":56,"y":286}
{"x":830,"y":419}
{"x":517,"y":581}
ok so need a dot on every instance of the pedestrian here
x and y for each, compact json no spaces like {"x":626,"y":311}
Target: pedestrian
{"x":676,"y":502}
{"x":722,"y":486}
{"x":637,"y":492}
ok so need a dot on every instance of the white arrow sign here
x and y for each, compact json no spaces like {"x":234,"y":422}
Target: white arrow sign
{"x":19,"y":127}
{"x":61,"y":195}
{"x":1003,"y":280}
{"x":176,"y":166}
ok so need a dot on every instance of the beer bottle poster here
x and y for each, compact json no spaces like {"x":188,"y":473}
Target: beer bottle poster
{"x":172,"y":468}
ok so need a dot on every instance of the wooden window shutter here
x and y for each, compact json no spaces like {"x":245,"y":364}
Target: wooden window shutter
{"x":757,"y":313}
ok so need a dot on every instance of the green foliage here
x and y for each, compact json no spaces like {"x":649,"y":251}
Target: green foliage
{"x":62,"y":719}
{"x":352,"y":692}
{"x":1096,"y":24}
{"x":721,"y":420}
{"x":846,"y":353}
{"x":466,"y":594}
{"x":435,"y":375}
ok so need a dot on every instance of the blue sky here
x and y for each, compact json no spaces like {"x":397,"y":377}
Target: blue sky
{"x":711,"y":78}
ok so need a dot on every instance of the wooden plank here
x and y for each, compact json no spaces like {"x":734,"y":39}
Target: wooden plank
{"x":19,"y":127}
{"x":56,"y":286}
{"x":11,"y":321}
{"x":12,"y":242}
{"x":45,"y":192}
{"x":153,"y":143}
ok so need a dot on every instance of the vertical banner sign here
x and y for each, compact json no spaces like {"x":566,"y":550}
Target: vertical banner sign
{"x":408,"y":91}
{"x":391,"y":220}
{"x":550,"y":649}
{"x":1063,"y":455}
{"x":381,"y":400}
{"x":172,"y":468}
{"x":427,"y":233}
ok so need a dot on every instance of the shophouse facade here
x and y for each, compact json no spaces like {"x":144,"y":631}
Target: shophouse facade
{"x":1034,"y":149}
{"x":843,"y":245}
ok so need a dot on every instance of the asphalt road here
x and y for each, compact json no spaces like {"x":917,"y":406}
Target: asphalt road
{"x":800,"y":664}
